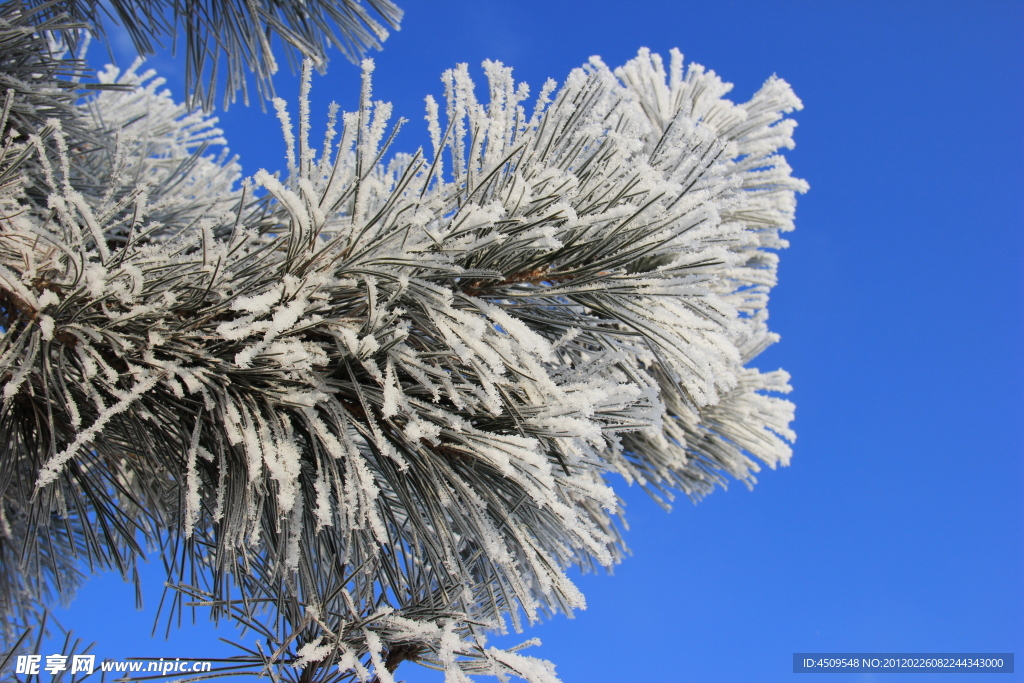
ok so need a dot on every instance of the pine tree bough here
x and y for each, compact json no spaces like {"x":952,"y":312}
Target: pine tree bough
{"x":370,"y":408}
{"x":226,"y":37}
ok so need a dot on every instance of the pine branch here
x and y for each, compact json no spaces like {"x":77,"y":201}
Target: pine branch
{"x":369,"y":410}
{"x":223,"y":38}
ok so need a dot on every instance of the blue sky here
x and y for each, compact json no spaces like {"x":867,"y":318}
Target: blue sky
{"x":899,"y":526}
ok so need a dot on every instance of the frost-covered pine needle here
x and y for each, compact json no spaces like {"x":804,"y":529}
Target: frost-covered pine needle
{"x":381,"y":397}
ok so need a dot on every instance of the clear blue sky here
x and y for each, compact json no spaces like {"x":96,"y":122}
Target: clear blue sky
{"x":899,"y":526}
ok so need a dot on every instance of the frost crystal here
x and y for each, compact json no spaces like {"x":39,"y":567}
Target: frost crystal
{"x":384,"y":393}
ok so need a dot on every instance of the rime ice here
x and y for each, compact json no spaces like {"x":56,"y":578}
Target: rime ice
{"x":409,"y":372}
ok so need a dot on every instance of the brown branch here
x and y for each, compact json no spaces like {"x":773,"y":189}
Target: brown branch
{"x":533,"y":277}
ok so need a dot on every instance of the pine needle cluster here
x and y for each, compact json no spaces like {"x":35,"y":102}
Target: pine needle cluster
{"x":370,"y":407}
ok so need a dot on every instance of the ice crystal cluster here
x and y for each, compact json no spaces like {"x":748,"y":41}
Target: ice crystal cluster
{"x":369,"y":406}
